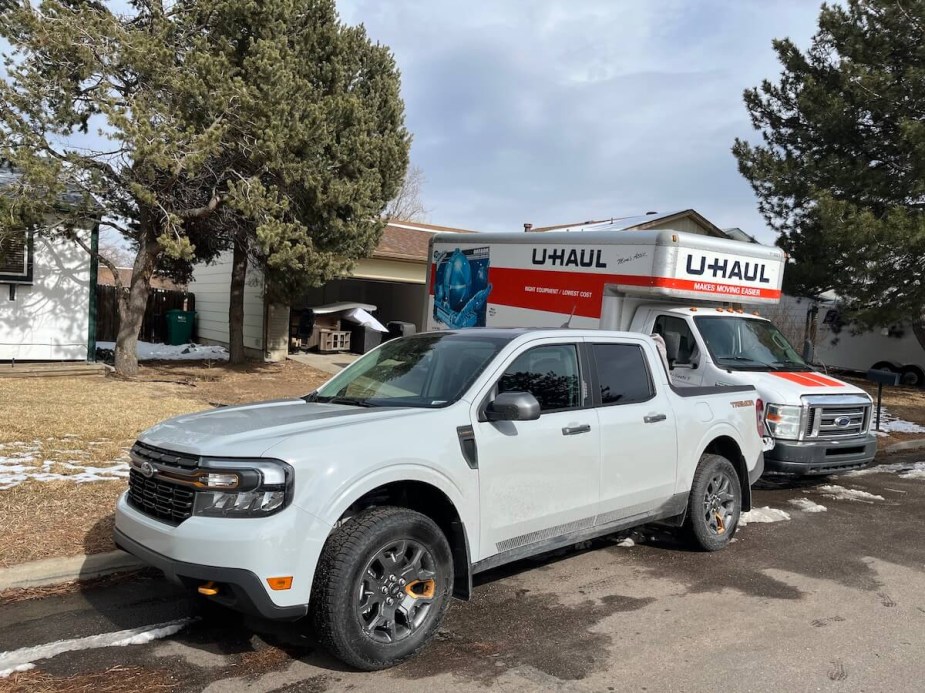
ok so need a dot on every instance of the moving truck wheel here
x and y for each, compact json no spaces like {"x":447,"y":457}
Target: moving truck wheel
{"x":381,"y":588}
{"x":912,"y":376}
{"x":714,"y":504}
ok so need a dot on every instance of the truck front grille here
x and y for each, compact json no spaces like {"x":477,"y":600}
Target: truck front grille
{"x":845,"y":416}
{"x":160,"y":499}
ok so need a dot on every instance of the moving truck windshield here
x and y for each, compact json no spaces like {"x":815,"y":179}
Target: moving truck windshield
{"x":747,"y":344}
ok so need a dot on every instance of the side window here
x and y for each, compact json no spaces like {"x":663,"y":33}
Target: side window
{"x":623,"y":373}
{"x":549,"y":373}
{"x":674,"y":329}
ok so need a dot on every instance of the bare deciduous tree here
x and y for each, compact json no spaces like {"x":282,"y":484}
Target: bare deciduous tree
{"x":407,"y":205}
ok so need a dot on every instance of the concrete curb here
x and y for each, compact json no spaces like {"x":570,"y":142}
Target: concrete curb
{"x":905,"y":445}
{"x":52,"y":571}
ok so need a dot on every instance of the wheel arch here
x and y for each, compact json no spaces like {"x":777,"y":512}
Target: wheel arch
{"x":726,"y":446}
{"x":431,"y":501}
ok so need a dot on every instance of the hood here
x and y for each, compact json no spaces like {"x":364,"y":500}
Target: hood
{"x":251,"y":429}
{"x":785,"y":387}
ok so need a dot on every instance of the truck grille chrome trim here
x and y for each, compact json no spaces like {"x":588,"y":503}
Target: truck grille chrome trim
{"x":844,"y":416}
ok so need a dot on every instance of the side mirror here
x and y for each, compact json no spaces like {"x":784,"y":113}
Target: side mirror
{"x":513,"y":406}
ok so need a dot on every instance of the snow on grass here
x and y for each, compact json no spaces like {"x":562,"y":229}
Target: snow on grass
{"x":28,"y":464}
{"x":166,"y":352}
{"x":850,"y":494}
{"x":761,"y":515}
{"x":893,"y":424}
{"x":807,"y":506}
{"x":21,"y":659}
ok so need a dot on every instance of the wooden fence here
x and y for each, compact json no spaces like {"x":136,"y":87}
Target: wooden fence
{"x":154,"y":327}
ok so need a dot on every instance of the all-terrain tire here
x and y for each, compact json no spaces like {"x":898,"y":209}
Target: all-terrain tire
{"x":344,"y":566}
{"x":714,"y":504}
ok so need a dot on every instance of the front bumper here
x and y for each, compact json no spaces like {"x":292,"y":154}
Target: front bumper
{"x":804,"y":458}
{"x":238,"y":554}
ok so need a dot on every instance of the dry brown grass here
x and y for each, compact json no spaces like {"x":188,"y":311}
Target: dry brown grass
{"x":57,"y":518}
{"x":118,"y":679}
{"x":91,"y":422}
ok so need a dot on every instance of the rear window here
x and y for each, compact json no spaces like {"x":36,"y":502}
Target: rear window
{"x":623,"y":374}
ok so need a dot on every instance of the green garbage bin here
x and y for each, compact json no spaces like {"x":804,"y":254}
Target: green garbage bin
{"x":180,"y":326}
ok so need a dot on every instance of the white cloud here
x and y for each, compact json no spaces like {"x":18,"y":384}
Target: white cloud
{"x":558,"y":110}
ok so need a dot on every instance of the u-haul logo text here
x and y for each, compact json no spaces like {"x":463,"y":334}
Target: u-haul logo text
{"x":564,"y":257}
{"x":728,"y":269}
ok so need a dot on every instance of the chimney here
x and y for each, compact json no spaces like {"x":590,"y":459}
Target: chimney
{"x":528,"y":227}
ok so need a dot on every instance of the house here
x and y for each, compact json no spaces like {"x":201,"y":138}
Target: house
{"x":392,"y":279}
{"x":685,"y":220}
{"x":47,"y":295}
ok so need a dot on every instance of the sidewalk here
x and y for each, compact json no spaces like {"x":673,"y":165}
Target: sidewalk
{"x":329,"y":363}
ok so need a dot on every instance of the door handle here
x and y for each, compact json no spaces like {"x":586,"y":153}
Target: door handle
{"x":575,"y":430}
{"x":654,"y":418}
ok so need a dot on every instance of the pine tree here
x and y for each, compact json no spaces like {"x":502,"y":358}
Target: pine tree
{"x":268,"y":116}
{"x":840,"y":174}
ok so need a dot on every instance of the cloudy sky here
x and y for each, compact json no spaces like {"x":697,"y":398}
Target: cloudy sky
{"x":555,"y":111}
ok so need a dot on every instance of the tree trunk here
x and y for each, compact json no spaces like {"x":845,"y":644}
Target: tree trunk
{"x":236,"y":300}
{"x":132,"y":304}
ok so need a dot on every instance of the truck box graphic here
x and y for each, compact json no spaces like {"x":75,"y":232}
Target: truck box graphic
{"x":460,"y":287}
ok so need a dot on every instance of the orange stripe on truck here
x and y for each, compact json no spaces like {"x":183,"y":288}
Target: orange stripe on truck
{"x":809,"y":379}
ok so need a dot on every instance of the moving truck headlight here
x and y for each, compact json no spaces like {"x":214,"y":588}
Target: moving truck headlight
{"x":784,"y":420}
{"x":243,"y":488}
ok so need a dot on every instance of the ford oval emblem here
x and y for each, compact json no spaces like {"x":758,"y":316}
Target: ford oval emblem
{"x":843,"y":421}
{"x":147,"y":469}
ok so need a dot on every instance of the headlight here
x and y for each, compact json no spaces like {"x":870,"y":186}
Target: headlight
{"x":243,"y":488}
{"x":784,"y":421}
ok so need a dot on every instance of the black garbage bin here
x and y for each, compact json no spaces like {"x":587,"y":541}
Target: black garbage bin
{"x":400,"y":329}
{"x":363,"y":339}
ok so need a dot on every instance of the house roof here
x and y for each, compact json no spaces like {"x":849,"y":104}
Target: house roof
{"x":69,"y":198}
{"x":638,"y":222}
{"x":409,"y":240}
{"x":104,"y":278}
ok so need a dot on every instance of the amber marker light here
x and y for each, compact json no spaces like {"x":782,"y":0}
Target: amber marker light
{"x":280,"y":583}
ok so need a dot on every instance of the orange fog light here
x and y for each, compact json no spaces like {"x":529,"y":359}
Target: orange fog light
{"x":280,"y":583}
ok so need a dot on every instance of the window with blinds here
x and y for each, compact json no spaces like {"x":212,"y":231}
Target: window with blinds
{"x":15,"y":257}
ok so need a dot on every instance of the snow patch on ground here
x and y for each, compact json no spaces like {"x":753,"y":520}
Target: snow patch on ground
{"x":21,"y":462}
{"x":760,"y":515}
{"x":850,"y":494}
{"x":166,"y":352}
{"x":626,"y":543}
{"x":893,"y":424}
{"x":906,"y":470}
{"x":807,"y":506}
{"x":20,"y":660}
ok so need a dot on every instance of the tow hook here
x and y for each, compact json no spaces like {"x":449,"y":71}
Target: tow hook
{"x":210,"y":589}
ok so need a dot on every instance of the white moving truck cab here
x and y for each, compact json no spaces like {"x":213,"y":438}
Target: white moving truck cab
{"x":687,"y":288}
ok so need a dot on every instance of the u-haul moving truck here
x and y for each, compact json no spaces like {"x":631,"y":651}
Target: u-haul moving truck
{"x":687,"y":288}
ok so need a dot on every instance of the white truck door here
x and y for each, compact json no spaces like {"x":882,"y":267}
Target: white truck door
{"x":638,"y":430}
{"x":538,"y":479}
{"x":688,"y":365}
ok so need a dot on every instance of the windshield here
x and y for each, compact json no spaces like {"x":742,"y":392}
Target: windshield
{"x":426,"y":370}
{"x":747,"y":344}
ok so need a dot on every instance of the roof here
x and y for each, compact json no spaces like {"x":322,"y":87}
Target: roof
{"x":104,"y":278}
{"x":638,"y":222}
{"x":737,"y":234}
{"x":409,"y":240}
{"x":70,"y":197}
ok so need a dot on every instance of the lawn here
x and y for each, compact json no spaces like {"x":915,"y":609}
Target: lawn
{"x":64,"y":442}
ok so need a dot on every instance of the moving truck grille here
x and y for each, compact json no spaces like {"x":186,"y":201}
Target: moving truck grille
{"x":160,"y":499}
{"x":845,"y":421}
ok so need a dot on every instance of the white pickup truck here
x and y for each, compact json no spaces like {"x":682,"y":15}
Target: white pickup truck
{"x":370,"y":502}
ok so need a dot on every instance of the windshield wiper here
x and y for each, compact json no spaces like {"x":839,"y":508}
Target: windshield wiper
{"x":753,"y":363}
{"x":345,"y":400}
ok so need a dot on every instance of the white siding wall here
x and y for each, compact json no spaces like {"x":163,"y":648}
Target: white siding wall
{"x":49,"y":320}
{"x":210,"y":285}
